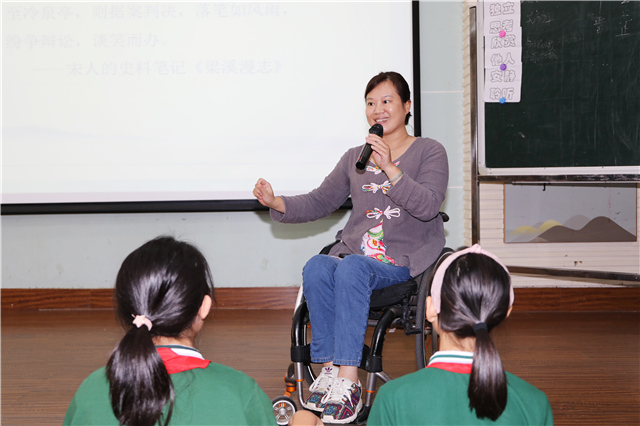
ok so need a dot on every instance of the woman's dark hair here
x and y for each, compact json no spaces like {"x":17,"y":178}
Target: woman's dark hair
{"x":398,"y":81}
{"x":475,"y":290}
{"x":165,"y":280}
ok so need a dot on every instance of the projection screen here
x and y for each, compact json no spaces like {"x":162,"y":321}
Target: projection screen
{"x":136,"y":101}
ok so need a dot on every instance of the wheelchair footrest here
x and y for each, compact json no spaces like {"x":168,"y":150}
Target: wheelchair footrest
{"x":363,"y":415}
{"x":410,"y":329}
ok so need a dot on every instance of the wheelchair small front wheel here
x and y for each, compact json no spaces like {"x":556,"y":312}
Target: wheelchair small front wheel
{"x":283,"y":409}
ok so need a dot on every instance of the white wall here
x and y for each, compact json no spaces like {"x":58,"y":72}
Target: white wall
{"x":245,"y":249}
{"x":441,"y":51}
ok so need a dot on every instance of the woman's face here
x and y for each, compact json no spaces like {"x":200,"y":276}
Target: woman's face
{"x":384,"y":106}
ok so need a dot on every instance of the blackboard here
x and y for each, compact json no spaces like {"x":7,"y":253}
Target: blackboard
{"x":580,"y":102}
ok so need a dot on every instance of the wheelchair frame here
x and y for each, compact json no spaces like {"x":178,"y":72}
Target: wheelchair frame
{"x":406,"y":306}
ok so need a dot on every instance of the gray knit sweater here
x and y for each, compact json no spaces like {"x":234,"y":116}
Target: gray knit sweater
{"x":413,"y":229}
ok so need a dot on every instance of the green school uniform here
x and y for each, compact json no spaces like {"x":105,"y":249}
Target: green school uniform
{"x":437,"y":395}
{"x":206,"y":394}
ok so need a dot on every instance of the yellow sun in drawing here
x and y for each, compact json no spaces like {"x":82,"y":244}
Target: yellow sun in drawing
{"x":530,"y":230}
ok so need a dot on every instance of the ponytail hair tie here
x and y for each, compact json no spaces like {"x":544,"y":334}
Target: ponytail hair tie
{"x":479,"y":326}
{"x":140,"y":320}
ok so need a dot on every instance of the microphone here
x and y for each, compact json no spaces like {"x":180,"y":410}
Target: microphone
{"x":363,"y":159}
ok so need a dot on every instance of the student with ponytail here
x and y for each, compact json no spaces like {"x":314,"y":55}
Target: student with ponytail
{"x":155,"y":376}
{"x":465,"y":382}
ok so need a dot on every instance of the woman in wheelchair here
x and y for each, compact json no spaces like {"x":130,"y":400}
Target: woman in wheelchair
{"x":465,"y":382}
{"x":394,"y":232}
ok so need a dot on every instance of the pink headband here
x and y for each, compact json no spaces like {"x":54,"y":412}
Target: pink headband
{"x":438,"y":277}
{"x":140,"y":320}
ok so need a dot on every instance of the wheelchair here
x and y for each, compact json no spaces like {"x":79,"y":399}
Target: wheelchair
{"x":400,"y":305}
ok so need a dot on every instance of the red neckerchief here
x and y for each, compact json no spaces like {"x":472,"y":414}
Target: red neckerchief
{"x":452,"y":367}
{"x":177,"y":363}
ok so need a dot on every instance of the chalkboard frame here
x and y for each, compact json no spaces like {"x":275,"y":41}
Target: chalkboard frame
{"x":506,"y":174}
{"x":544,"y":175}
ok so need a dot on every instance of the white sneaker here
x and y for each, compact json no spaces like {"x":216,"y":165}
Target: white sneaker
{"x":319,"y":388}
{"x":343,"y":402}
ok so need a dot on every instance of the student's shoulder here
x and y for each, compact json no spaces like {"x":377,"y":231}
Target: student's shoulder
{"x":98,"y":377}
{"x":412,"y":382}
{"x":220,"y":380}
{"x":93,"y":386}
{"x":527,"y":403}
{"x":522,"y":385}
{"x":91,"y":401}
{"x":525,"y":391}
{"x":225,"y":372}
{"x":226,"y":376}
{"x":396,"y":400}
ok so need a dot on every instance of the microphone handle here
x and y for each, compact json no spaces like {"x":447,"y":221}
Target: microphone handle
{"x":363,"y":158}
{"x":367,"y":150}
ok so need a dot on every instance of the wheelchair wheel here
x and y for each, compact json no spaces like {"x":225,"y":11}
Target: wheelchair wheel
{"x":309,"y":375}
{"x":427,"y":341}
{"x":422,"y":353}
{"x":283,"y":409}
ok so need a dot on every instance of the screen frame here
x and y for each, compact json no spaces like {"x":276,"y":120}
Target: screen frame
{"x":182,"y":206}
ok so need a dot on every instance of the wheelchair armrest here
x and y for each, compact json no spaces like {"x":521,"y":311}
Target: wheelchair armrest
{"x":327,"y":248}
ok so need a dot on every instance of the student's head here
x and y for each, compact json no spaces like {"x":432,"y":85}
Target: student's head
{"x":471,"y":293}
{"x":166,"y":281}
{"x":469,"y":287}
{"x":401,"y":88}
{"x":164,"y":288}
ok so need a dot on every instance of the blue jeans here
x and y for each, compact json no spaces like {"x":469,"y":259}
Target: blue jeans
{"x":338,"y":293}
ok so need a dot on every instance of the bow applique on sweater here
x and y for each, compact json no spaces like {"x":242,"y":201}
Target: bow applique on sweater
{"x":376,"y":213}
{"x":374,"y":187}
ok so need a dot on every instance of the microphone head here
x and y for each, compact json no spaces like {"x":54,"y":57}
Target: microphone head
{"x":377,"y":129}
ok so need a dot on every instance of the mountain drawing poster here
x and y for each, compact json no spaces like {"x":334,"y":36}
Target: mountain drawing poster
{"x":563,"y":213}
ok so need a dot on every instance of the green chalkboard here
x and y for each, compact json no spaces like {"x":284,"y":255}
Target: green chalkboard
{"x":580,"y":102}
